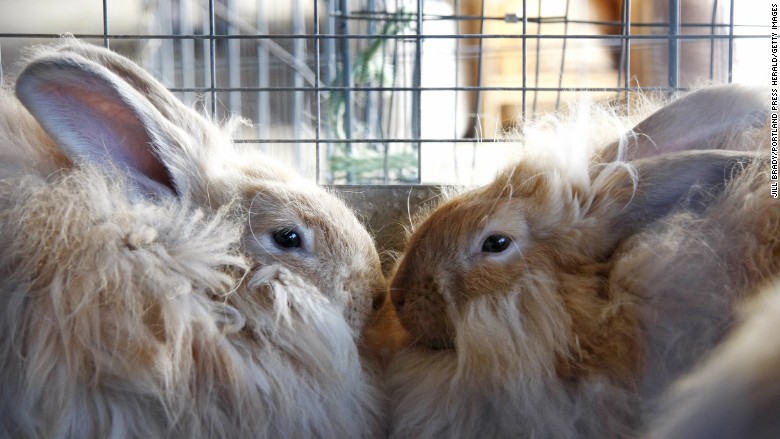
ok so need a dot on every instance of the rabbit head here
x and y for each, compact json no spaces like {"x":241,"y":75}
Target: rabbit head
{"x":164,"y":281}
{"x":103,"y":110}
{"x":513,"y":273}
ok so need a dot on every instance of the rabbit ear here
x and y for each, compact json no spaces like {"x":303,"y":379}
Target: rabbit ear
{"x":703,"y":119}
{"x":627,"y":198}
{"x":139,"y":79}
{"x":97,"y":117}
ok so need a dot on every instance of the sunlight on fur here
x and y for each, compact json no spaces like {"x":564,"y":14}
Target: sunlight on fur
{"x":160,"y":281}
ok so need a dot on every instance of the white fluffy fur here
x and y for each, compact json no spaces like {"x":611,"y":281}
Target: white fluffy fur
{"x":149,"y":317}
{"x":666,"y":294}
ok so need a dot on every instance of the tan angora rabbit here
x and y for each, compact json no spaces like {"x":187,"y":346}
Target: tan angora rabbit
{"x":561,"y":299}
{"x":160,"y":281}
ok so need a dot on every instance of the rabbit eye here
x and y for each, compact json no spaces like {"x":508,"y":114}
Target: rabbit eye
{"x":287,"y":238}
{"x":496,"y":244}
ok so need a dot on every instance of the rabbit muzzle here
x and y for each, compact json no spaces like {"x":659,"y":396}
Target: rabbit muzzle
{"x":421,"y":307}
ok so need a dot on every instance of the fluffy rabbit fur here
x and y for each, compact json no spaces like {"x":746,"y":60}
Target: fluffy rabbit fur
{"x":159,"y":280}
{"x":736,"y":393}
{"x":561,"y":299}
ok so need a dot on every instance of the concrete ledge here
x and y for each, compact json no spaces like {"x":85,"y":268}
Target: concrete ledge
{"x":386,"y":212}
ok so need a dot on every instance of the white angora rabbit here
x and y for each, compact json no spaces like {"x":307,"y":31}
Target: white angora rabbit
{"x":159,"y":280}
{"x":560,"y":300}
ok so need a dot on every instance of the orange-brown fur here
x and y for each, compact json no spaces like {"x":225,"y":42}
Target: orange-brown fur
{"x":569,"y":331}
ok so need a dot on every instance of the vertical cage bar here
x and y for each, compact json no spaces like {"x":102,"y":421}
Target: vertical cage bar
{"x":563,"y":55}
{"x":373,"y":98}
{"x":390,"y":121}
{"x":105,"y":24}
{"x":317,"y":91}
{"x":299,"y":54}
{"x":480,"y":61}
{"x":626,"y":55}
{"x":380,"y":117}
{"x":233,"y":57}
{"x":167,"y":61}
{"x":371,"y":95}
{"x":203,"y":16}
{"x":456,"y":119}
{"x":525,"y":59}
{"x":538,"y":53}
{"x":456,"y":12}
{"x":330,"y":44}
{"x":330,"y":78}
{"x":731,"y":43}
{"x":187,"y":49}
{"x":401,"y":122}
{"x":674,"y":44}
{"x":212,"y":60}
{"x":263,"y":68}
{"x":346,"y":78}
{"x":713,"y":28}
{"x":416,"y":85}
{"x":346,"y":65}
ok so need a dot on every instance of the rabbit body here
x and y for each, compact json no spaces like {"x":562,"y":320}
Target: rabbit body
{"x":143,"y":293}
{"x":563,"y":299}
{"x":735,"y":393}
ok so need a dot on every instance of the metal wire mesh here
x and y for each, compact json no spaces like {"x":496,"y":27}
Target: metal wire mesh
{"x":400,"y":91}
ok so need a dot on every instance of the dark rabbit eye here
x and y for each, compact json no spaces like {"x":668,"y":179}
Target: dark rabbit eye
{"x":496,"y":244}
{"x":287,"y":238}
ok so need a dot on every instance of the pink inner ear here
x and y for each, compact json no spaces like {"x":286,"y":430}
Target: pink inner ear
{"x":97,"y":124}
{"x":129,"y":142}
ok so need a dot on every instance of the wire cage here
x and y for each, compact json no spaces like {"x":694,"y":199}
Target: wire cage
{"x":404,"y":91}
